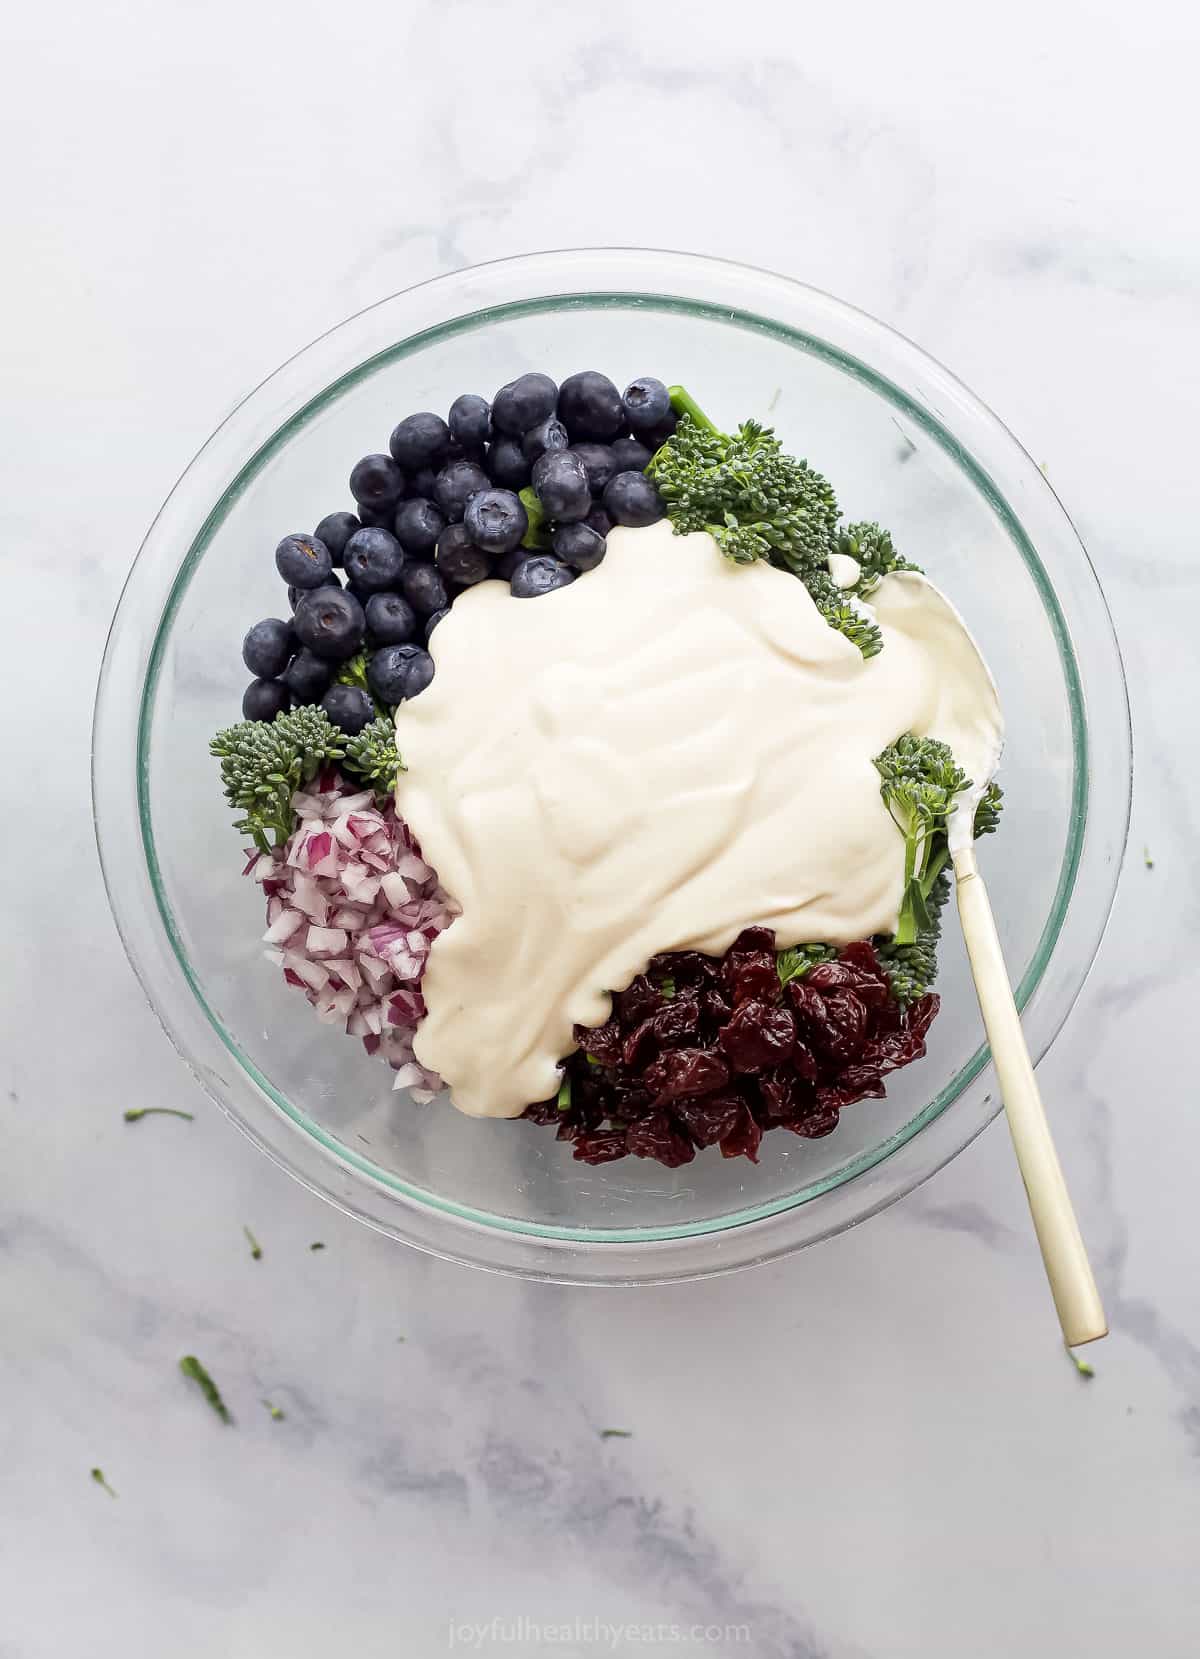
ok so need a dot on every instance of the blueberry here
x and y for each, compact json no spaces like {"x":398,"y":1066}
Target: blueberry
{"x":578,"y":546}
{"x":471,"y":421}
{"x":307,"y":677}
{"x":631,"y":455}
{"x":496,"y":520}
{"x":431,"y":622}
{"x":507,"y":464}
{"x":647,"y":403}
{"x":599,"y":521}
{"x":303,"y":561}
{"x":398,"y":672}
{"x":419,"y":441}
{"x":598,"y":462}
{"x":331,"y":623}
{"x":423,"y":483}
{"x":374,"y":560}
{"x":264,"y":699}
{"x":539,"y":574}
{"x":655,"y":436}
{"x":523,"y":403}
{"x":456,"y":484}
{"x":562,"y":486}
{"x":376,"y":518}
{"x":545,"y":436}
{"x":295,"y":593}
{"x":418,"y":525}
{"x":349,"y":707}
{"x":390,"y":619}
{"x":508,"y":562}
{"x":335,"y":530}
{"x":377,"y":481}
{"x":267,"y":648}
{"x":631,"y":498}
{"x":590,"y":407}
{"x":457,"y":557}
{"x":424,"y":589}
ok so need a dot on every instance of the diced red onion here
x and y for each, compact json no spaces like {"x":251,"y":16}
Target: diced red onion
{"x":356,"y":909}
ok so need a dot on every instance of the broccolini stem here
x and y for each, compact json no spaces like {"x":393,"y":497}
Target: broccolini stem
{"x":684,"y":403}
{"x":536,"y":535}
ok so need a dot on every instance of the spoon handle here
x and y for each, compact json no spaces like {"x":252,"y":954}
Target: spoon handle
{"x":1067,"y":1267}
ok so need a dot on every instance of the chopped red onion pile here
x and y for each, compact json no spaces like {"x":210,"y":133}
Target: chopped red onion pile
{"x":352,"y":909}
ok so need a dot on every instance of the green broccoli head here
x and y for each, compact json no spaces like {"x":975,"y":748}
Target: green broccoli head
{"x":755,"y":501}
{"x":874,"y":552}
{"x":263,"y":763}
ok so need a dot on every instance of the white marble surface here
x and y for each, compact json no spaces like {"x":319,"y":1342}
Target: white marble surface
{"x":874,"y":1451}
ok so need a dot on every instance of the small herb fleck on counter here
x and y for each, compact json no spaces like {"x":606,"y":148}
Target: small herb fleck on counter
{"x":616,"y":1434}
{"x":255,"y":1246}
{"x":191,"y":1367}
{"x":98,"y":1477}
{"x":135,"y":1113}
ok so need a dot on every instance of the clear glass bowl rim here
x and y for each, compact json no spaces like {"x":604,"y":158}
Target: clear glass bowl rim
{"x":707,"y":289}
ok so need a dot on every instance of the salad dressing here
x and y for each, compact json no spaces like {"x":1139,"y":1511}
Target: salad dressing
{"x":669,"y":749}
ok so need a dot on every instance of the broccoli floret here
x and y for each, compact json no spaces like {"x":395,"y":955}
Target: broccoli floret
{"x":912,"y":968}
{"x":987,"y":813}
{"x":920,"y":784}
{"x":875,"y":554}
{"x":354,"y":672}
{"x":264,"y":763}
{"x":756,"y":503}
{"x":920,"y":781}
{"x":795,"y":963}
{"x":841,"y":615}
{"x":373,"y":757}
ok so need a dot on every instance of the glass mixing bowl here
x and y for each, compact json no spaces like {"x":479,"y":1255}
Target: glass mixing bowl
{"x":904,"y":443}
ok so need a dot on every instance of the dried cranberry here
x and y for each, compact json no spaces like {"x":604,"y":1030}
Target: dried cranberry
{"x":637,"y":1002}
{"x":859,"y":1082}
{"x":685,"y":967}
{"x":753,"y":938}
{"x":813,"y":1127}
{"x":841,"y":1027}
{"x":870,"y":989}
{"x":708,"y":1118}
{"x":921,"y":1014}
{"x":862,"y":954}
{"x":714,"y":1006}
{"x":604,"y":1041}
{"x":758,"y":1035}
{"x":848,"y":1025}
{"x":752,"y":974}
{"x":657,"y":1137}
{"x":784,"y":1095}
{"x":808,"y":1003}
{"x":744,"y":1139}
{"x":601,"y":1147}
{"x":685,"y":1071}
{"x":804,"y":1062}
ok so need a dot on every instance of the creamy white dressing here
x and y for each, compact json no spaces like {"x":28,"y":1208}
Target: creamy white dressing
{"x":664,"y":752}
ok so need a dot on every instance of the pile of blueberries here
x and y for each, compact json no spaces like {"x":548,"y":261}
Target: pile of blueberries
{"x":444,"y":510}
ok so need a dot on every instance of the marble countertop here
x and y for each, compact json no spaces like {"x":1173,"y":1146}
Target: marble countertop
{"x":876,"y":1450}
